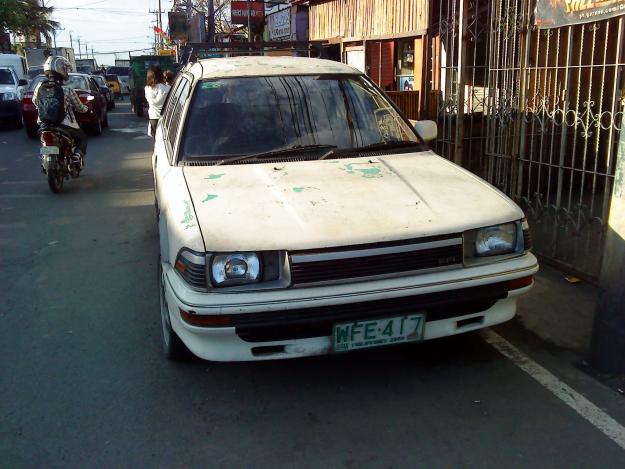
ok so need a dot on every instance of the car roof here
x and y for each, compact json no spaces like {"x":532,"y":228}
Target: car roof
{"x":247,"y":66}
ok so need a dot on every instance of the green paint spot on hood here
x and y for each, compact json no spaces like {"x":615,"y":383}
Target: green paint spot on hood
{"x":215,"y":176}
{"x":210,"y":197}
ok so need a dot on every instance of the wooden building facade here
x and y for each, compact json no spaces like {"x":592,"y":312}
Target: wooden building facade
{"x":386,"y":39}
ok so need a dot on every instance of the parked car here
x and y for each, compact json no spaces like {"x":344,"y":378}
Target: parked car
{"x":11,"y":92}
{"x":114,"y":84}
{"x":300,"y":213}
{"x":89,"y":94}
{"x":105,"y":90}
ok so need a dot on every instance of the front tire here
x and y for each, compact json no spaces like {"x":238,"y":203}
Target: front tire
{"x":55,"y":180}
{"x":174,"y":349}
{"x":139,"y":108}
{"x":97,"y":128}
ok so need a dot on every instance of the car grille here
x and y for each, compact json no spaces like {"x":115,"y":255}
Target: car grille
{"x":319,"y":321}
{"x":364,"y":260}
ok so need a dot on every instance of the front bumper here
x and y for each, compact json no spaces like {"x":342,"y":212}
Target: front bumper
{"x":235,"y":344}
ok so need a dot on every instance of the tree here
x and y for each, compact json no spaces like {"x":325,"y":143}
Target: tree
{"x":27,"y":17}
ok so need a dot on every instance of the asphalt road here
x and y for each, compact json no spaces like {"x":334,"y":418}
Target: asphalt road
{"x":83,"y":382}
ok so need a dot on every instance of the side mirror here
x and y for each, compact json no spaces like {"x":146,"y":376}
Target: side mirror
{"x":22,"y":82}
{"x":427,"y":130}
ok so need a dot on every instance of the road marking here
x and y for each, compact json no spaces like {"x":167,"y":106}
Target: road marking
{"x":20,"y":196}
{"x":593,"y":414}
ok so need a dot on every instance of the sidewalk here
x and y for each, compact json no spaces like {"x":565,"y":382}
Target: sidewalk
{"x":559,"y":312}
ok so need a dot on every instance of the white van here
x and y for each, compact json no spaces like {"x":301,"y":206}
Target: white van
{"x":17,"y":62}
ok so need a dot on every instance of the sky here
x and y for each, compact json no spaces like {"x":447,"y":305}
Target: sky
{"x":107,"y":25}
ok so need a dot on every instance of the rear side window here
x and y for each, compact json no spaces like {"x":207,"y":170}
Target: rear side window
{"x":182,"y":92}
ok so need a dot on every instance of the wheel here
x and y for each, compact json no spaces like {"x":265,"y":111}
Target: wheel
{"x":139,"y":108}
{"x":97,"y":128}
{"x":55,"y":180}
{"x":18,"y":123}
{"x":174,"y":348}
{"x":31,"y":132}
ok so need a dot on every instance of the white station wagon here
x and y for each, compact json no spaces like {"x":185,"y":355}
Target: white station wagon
{"x":300,"y":213}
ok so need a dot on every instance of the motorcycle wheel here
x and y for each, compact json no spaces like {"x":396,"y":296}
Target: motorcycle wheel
{"x":55,"y":180}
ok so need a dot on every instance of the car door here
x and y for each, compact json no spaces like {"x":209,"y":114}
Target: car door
{"x":99,"y":97}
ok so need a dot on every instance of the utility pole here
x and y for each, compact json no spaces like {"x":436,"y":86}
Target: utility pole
{"x":607,"y":350}
{"x":86,"y":51}
{"x":249,"y":23}
{"x":160,"y":25}
{"x":71,"y":41}
{"x":79,"y":52}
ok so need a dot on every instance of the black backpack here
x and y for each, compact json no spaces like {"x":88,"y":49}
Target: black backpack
{"x":51,"y":103}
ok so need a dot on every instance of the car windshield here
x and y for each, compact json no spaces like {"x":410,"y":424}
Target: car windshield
{"x":6,"y":77}
{"x":76,"y":82}
{"x":242,"y":116}
{"x":99,"y":80}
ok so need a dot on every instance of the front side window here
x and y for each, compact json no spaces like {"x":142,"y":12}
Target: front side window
{"x":241,"y":116}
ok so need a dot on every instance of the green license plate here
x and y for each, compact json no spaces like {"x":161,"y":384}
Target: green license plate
{"x":378,"y":332}
{"x":49,"y":151}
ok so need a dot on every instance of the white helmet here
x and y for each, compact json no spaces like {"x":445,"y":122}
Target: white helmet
{"x":57,"y":65}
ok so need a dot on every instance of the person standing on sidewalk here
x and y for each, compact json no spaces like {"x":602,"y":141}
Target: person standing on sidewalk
{"x":155,"y":94}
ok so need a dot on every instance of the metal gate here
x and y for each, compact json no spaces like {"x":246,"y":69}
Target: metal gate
{"x":537,"y":113}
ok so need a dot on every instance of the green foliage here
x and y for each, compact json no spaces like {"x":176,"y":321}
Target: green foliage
{"x":26,"y":17}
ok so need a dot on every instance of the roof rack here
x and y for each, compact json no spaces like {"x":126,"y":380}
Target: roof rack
{"x":192,"y":52}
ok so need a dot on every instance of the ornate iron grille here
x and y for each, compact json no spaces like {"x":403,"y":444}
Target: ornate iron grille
{"x":540,"y":118}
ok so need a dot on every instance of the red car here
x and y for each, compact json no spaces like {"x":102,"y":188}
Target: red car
{"x":88,"y":92}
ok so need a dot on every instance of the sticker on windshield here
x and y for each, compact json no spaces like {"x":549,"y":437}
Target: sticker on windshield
{"x":207,"y":85}
{"x":387,"y":124}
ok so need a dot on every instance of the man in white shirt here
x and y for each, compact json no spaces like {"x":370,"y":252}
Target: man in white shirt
{"x":155,"y":94}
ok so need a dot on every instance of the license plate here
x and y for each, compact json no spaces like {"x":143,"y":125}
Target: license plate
{"x":49,"y":151}
{"x":378,"y":332}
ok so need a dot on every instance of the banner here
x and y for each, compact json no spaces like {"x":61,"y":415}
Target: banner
{"x":178,"y":28}
{"x":279,"y":25}
{"x":556,"y":13}
{"x":239,"y":9}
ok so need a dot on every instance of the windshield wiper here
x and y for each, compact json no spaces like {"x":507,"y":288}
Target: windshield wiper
{"x":277,"y":151}
{"x":373,"y":146}
{"x":391,"y":144}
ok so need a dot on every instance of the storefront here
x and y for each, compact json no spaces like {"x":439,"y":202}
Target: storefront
{"x":383,"y":38}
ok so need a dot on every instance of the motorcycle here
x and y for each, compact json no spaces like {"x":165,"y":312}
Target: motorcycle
{"x":58,"y":160}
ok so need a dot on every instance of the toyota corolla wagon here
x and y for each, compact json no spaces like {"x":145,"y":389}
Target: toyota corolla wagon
{"x":300,"y":213}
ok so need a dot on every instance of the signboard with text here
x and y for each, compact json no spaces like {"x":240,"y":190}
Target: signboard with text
{"x":239,"y":12}
{"x":556,"y":13}
{"x":280,"y":25}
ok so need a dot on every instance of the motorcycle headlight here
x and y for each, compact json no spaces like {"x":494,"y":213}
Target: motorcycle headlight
{"x":10,"y":96}
{"x":235,"y":269}
{"x":495,"y":240}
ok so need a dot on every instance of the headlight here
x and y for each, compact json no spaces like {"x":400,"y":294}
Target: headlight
{"x":494,"y":240}
{"x":10,"y":96}
{"x":235,"y":269}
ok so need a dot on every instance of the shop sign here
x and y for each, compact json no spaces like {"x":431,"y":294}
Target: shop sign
{"x":239,"y":9}
{"x":178,"y":28}
{"x":556,"y":13}
{"x":280,"y":24}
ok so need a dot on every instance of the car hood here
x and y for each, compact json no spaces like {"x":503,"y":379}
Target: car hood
{"x":315,"y":204}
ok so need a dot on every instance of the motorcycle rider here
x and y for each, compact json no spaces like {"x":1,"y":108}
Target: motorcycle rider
{"x":53,"y":113}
